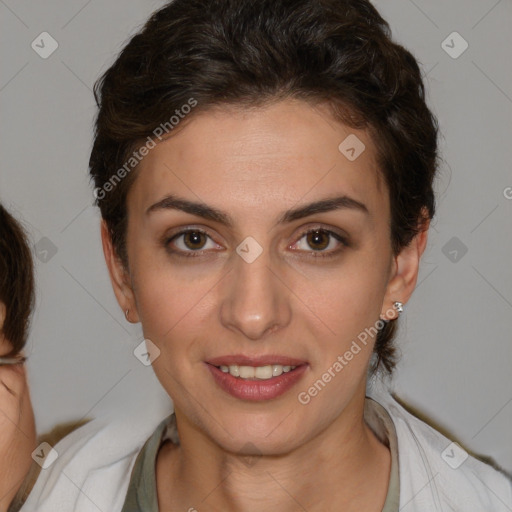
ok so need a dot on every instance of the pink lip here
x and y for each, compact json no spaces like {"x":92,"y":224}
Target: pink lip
{"x":256,"y":390}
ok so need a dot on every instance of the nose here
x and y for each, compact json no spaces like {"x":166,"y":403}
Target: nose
{"x":255,"y":302}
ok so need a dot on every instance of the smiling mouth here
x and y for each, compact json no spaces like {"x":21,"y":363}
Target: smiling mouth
{"x":256,"y":378}
{"x":266,"y":372}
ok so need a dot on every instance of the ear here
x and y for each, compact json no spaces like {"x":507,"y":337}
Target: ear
{"x":119,"y":277}
{"x":404,"y":273}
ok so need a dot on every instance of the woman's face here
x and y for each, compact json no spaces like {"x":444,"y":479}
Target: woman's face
{"x":222,"y":271}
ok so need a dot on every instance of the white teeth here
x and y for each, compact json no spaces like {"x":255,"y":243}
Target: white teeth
{"x":246,"y":372}
{"x":277,"y":370}
{"x":256,"y":372}
{"x":263,"y":372}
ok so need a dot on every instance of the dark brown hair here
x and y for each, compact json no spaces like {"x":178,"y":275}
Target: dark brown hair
{"x":16,"y":281}
{"x":248,"y":53}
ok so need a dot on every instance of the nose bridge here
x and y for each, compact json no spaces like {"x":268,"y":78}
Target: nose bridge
{"x":254,"y":301}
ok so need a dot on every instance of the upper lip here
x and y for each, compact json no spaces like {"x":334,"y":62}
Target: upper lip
{"x":262,"y":360}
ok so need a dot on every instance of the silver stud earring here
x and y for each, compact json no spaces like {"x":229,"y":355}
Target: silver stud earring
{"x":399,"y":307}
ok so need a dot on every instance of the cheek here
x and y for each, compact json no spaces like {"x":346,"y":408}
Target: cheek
{"x":346,"y":298}
{"x":348,"y":301}
{"x":170,"y":312}
{"x":172,"y":302}
{"x":348,"y":305}
{"x":166,"y":306}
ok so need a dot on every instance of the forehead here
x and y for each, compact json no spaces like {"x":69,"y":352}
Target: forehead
{"x":265,"y":158}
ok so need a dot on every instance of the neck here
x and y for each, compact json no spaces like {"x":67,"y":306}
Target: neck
{"x":345,"y":467}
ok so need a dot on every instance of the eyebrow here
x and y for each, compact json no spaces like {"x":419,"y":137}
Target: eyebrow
{"x":325,"y":205}
{"x":173,"y":202}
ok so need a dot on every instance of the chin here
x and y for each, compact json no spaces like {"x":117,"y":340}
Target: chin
{"x":256,"y":434}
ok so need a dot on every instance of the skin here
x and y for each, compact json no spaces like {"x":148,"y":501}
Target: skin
{"x":17,"y":425}
{"x":254,"y":165}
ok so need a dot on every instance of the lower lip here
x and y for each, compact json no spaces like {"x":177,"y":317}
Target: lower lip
{"x":257,"y":390}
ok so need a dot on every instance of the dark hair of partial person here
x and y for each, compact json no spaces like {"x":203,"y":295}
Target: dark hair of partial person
{"x":16,"y":281}
{"x":247,"y":54}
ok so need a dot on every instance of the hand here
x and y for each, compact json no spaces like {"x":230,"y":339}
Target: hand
{"x":17,"y":431}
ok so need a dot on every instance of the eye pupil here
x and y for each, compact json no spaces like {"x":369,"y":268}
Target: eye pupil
{"x":318,"y":240}
{"x":194,"y":239}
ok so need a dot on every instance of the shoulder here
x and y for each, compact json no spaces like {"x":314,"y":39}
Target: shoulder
{"x":91,"y":467}
{"x":436,"y":472}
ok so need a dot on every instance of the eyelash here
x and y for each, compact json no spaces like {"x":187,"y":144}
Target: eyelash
{"x":324,"y":254}
{"x":179,"y":252}
{"x":313,"y":254}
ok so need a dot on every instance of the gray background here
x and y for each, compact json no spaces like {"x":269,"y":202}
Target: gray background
{"x":456,"y":332}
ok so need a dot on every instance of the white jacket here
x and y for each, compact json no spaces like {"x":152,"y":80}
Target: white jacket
{"x":93,"y":469}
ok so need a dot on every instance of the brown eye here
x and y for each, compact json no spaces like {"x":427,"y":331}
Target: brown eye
{"x":318,"y":240}
{"x":190,"y":242}
{"x":194,"y":240}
